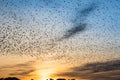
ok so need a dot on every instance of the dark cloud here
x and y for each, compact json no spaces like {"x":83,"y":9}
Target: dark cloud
{"x":79,"y":22}
{"x":29,"y":63}
{"x":109,"y":70}
{"x":19,"y":65}
{"x":22,"y":73}
{"x":100,"y":66}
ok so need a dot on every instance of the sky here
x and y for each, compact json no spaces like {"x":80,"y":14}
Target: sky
{"x":77,"y":39}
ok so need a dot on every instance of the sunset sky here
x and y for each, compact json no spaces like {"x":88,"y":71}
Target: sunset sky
{"x":42,"y":39}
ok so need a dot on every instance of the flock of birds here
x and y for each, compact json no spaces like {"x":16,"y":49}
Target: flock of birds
{"x":17,"y":38}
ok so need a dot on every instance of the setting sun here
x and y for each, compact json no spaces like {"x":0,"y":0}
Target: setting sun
{"x":45,"y":73}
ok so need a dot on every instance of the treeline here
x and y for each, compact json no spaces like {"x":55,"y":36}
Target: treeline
{"x":10,"y":78}
{"x":60,"y":79}
{"x":15,"y":78}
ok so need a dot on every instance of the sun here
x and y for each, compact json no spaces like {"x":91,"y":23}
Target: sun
{"x":46,"y":73}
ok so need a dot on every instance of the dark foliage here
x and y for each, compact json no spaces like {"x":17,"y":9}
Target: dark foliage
{"x":10,"y":78}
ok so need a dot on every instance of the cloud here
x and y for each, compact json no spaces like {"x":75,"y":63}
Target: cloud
{"x":29,"y":63}
{"x":100,"y":66}
{"x":26,"y":64}
{"x":109,"y":70}
{"x":21,"y":69}
{"x":79,"y":22}
{"x":22,"y":73}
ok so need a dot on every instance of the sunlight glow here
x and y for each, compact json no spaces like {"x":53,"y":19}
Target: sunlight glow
{"x":46,"y":73}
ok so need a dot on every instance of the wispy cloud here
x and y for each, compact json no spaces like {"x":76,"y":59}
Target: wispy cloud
{"x":27,"y":64}
{"x":22,"y":73}
{"x":21,"y":69}
{"x":109,"y":70}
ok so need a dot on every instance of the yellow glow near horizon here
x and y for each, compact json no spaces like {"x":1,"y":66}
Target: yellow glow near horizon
{"x":45,"y":74}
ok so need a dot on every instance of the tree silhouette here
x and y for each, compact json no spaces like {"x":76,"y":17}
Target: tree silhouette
{"x":9,"y":78}
{"x":1,"y":78}
{"x":51,"y":79}
{"x":61,"y":79}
